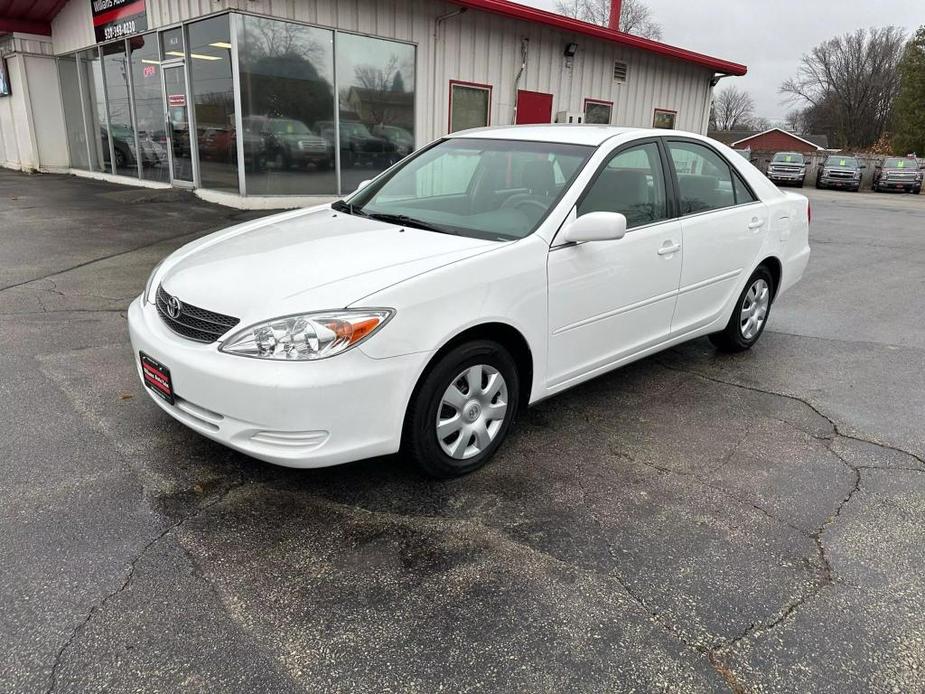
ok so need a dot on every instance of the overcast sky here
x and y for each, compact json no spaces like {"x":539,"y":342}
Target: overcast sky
{"x":768,"y":36}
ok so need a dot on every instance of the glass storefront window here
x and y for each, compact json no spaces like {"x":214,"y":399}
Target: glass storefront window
{"x":121,"y":129}
{"x":73,"y":122}
{"x":91,"y":75}
{"x":376,"y":89}
{"x":287,"y":97}
{"x":149,"y":107}
{"x":172,"y":43}
{"x":212,"y":93}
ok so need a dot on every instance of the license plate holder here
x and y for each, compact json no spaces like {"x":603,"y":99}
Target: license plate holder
{"x":156,"y":376}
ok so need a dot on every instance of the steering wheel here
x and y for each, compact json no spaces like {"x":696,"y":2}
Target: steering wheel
{"x":519,"y":200}
{"x":531,"y":203}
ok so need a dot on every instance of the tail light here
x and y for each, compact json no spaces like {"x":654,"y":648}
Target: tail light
{"x":809,"y":212}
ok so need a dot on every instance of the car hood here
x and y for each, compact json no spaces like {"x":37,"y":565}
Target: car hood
{"x":318,"y":259}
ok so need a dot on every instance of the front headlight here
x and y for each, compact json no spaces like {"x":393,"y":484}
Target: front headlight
{"x":308,"y":336}
{"x":149,"y":285}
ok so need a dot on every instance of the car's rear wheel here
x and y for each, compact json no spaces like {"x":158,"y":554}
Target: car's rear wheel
{"x":462,"y":409}
{"x":750,"y":315}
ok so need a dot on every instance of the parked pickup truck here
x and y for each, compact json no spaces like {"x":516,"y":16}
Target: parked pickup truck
{"x":898,"y":173}
{"x":787,"y":167}
{"x":840,"y":171}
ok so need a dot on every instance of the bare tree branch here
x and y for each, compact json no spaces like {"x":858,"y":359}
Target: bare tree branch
{"x":635,"y":16}
{"x":849,"y":84}
{"x":733,"y":109}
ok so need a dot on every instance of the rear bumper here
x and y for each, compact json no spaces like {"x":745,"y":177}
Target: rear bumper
{"x":296,"y":414}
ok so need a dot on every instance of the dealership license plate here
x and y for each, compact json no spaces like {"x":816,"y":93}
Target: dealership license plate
{"x":157,"y":377}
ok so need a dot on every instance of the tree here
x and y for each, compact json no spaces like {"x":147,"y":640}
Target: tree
{"x":635,"y":16}
{"x":909,"y":113}
{"x":854,"y":79}
{"x":733,"y":109}
{"x":795,"y":121}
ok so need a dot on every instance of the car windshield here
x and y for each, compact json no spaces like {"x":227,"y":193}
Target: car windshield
{"x":848,"y":162}
{"x":898,"y":163}
{"x":788,"y":158}
{"x":290,"y":127}
{"x":480,"y":188}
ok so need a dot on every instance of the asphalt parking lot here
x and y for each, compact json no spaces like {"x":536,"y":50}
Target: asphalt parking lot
{"x":691,"y":523}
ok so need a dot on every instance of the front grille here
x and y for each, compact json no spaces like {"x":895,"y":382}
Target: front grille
{"x":193,"y":322}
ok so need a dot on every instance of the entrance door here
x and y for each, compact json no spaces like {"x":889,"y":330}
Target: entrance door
{"x":533,"y":107}
{"x":178,"y":128}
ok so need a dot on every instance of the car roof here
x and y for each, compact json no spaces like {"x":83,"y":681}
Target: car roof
{"x":566,"y":133}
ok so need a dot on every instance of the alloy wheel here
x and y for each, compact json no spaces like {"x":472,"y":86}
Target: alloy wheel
{"x":754,"y":309}
{"x":472,"y":411}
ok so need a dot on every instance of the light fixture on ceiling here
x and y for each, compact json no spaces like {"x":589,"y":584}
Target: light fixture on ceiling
{"x":200,"y":56}
{"x":151,"y":62}
{"x":221,"y":44}
{"x":179,"y":54}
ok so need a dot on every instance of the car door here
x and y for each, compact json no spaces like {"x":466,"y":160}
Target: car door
{"x":723,"y":226}
{"x":611,"y":299}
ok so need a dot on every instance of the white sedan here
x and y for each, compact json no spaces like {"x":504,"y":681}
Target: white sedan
{"x":490,"y":270}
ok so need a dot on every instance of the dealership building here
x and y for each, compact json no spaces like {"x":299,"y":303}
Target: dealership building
{"x":247,"y":100}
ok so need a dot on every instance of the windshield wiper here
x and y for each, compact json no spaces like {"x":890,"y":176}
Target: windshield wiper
{"x":341,"y":206}
{"x":405,"y":220}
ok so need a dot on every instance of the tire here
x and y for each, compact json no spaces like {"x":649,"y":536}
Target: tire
{"x":735,"y":337}
{"x":462,"y":450}
{"x":819,"y":186}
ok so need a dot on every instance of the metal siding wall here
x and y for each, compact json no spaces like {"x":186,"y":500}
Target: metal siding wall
{"x":72,"y":28}
{"x":475,"y":47}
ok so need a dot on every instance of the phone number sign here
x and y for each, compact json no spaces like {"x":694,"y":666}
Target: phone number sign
{"x":114,"y":19}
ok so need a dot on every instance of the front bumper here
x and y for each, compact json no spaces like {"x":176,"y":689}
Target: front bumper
{"x":898,"y":185}
{"x":785,"y":177}
{"x":297,"y":414}
{"x":840,"y":182}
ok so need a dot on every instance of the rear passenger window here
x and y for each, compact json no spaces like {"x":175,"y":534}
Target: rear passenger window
{"x":704,"y":178}
{"x":743,"y":194}
{"x":633,"y":184}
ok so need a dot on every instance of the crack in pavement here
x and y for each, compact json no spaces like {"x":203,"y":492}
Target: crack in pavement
{"x":78,"y":629}
{"x":826,"y":577}
{"x":106,"y":257}
{"x":794,"y":398}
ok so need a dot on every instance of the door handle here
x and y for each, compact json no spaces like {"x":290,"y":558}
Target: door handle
{"x":756,"y":224}
{"x":669,"y":248}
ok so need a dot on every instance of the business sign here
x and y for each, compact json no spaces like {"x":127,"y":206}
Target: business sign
{"x":113,"y":19}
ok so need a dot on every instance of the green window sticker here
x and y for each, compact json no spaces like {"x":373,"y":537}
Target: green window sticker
{"x":843,"y":162}
{"x":902,"y":165}
{"x":789,"y":158}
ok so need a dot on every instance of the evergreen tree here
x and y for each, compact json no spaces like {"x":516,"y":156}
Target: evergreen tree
{"x":909,"y":114}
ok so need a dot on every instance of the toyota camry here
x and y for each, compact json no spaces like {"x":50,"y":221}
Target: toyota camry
{"x":485,"y":272}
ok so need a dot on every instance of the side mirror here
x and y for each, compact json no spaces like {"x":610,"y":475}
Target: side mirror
{"x":596,"y":226}
{"x":863,"y":166}
{"x":363,"y":184}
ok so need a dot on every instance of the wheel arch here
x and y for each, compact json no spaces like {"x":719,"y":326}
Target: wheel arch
{"x":776,"y":268}
{"x":505,"y":334}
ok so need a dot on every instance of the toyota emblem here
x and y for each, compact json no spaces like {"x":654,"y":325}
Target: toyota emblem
{"x":174,"y":307}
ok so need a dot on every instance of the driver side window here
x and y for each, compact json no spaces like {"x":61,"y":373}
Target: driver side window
{"x":633,"y":184}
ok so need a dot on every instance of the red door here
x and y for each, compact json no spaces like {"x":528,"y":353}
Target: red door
{"x":533,"y":107}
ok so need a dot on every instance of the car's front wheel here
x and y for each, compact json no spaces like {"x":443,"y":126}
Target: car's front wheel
{"x":462,"y":409}
{"x":750,"y":314}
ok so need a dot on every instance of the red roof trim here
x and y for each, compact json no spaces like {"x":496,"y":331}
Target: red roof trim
{"x":531,"y":14}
